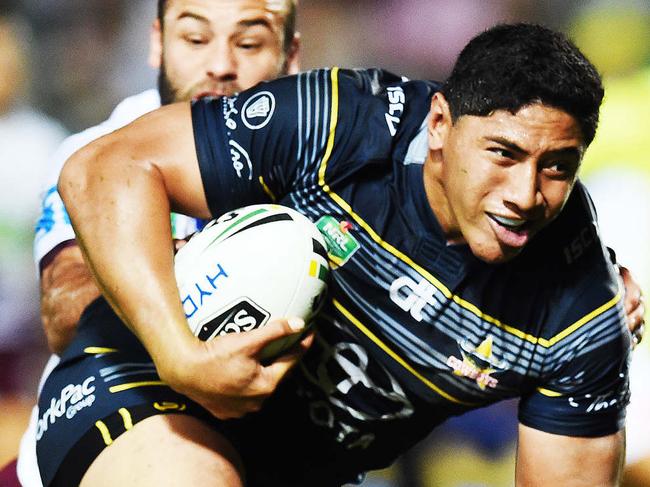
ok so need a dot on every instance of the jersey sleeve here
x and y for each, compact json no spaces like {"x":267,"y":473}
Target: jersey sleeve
{"x":297,"y":132}
{"x":53,"y":227}
{"x":584,"y":390}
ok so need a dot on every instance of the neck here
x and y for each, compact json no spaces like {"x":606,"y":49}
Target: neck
{"x":438,"y":201}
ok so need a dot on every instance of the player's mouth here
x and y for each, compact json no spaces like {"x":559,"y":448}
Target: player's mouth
{"x":513,"y":232}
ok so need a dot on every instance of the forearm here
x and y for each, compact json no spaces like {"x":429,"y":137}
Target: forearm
{"x":67,"y":288}
{"x":119,"y":207}
{"x":545,"y":459}
{"x":119,"y":192}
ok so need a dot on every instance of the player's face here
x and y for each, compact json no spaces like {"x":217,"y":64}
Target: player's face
{"x":219,"y":47}
{"x":494,"y":182}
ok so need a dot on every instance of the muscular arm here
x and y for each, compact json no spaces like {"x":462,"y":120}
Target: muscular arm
{"x":119,"y":202}
{"x":545,"y":459}
{"x":119,"y":191}
{"x":67,"y":287}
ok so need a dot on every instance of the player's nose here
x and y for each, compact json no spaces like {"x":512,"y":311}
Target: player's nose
{"x":221,"y":62}
{"x":522,"y":193}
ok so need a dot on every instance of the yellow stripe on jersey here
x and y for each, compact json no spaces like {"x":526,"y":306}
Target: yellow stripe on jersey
{"x":334,"y":118}
{"x":126,"y":418}
{"x":98,"y":350}
{"x":406,"y":259}
{"x":169,"y":406}
{"x":267,"y":190}
{"x":585,"y":319}
{"x":548,"y":392}
{"x":133,"y":385}
{"x":396,"y":357}
{"x":106,"y":435}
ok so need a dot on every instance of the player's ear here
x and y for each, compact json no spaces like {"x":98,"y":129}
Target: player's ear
{"x":155,"y":45}
{"x":439,"y":122}
{"x":292,"y":62}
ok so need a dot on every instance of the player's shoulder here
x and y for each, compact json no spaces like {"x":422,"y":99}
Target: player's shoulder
{"x":125,"y":112}
{"x":377,"y":81}
{"x":133,"y":107}
{"x":390,"y":106}
{"x":351,"y":82}
{"x":571,"y":260}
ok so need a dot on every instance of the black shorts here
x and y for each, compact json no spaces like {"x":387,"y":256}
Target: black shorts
{"x":106,"y":382}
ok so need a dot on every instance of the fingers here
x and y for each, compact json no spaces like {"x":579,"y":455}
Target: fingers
{"x":636,"y":319}
{"x":637,"y":335}
{"x":633,"y":294}
{"x":256,"y":340}
{"x":634,"y":305}
{"x":179,"y":243}
{"x":244,"y":380}
{"x":633,"y":299}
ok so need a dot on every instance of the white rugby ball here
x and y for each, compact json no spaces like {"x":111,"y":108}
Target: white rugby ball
{"x":250,"y":266}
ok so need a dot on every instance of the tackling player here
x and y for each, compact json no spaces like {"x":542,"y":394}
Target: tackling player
{"x":488,"y":279}
{"x":202,"y":48}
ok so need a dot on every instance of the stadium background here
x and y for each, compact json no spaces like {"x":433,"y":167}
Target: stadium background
{"x":73,"y":60}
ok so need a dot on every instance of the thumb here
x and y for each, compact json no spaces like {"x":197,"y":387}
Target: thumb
{"x":273,"y":330}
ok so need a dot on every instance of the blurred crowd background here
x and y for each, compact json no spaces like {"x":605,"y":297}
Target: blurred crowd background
{"x":64,"y":64}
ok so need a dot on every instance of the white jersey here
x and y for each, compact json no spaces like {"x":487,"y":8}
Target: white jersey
{"x":53,"y":228}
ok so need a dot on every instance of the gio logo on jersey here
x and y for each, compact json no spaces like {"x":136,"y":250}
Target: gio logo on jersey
{"x":258,"y":110}
{"x":412,"y":296}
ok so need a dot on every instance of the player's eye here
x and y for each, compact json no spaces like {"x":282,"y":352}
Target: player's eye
{"x":250,"y":44}
{"x":195,"y":40}
{"x":501,"y":152}
{"x":560,"y":169}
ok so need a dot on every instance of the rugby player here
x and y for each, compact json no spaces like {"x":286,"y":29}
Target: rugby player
{"x":476,"y":275}
{"x":201,"y":48}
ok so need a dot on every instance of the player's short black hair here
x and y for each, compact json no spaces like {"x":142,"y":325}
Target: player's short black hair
{"x":289,"y":21}
{"x":513,"y":65}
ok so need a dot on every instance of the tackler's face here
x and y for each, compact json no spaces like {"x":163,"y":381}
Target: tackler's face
{"x":219,"y":47}
{"x":495,"y":181}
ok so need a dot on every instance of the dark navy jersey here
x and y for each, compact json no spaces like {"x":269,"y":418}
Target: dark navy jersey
{"x":416,"y":330}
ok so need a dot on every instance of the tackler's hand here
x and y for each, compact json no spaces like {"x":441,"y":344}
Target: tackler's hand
{"x":180,"y":242}
{"x":634,"y":303}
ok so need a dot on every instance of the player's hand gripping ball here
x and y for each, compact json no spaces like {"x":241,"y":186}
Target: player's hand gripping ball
{"x":251,"y":266}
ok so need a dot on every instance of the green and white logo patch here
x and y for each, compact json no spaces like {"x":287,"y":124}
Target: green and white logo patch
{"x":341,"y":244}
